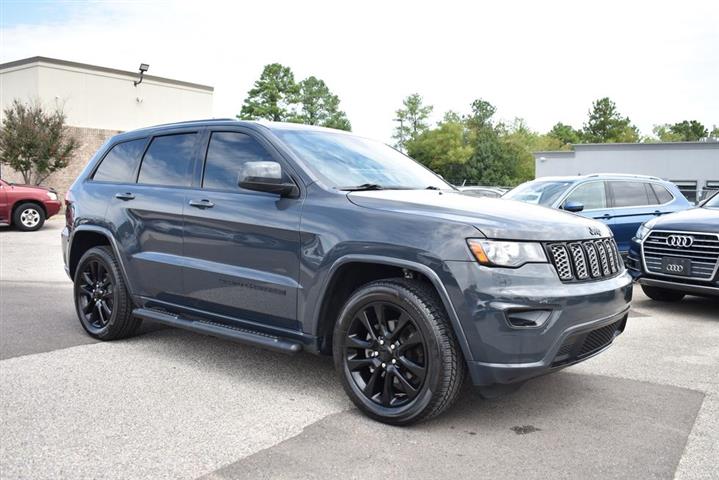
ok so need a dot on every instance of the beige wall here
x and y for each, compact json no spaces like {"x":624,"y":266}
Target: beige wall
{"x":103,"y":99}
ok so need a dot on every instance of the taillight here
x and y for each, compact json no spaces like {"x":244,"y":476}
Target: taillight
{"x":69,"y":209}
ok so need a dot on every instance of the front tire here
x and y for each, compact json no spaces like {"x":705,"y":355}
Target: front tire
{"x":396,"y":353}
{"x":28,"y":217}
{"x":102,"y":301}
{"x":662,"y":294}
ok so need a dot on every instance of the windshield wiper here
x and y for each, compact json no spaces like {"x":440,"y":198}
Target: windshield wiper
{"x":363,"y":187}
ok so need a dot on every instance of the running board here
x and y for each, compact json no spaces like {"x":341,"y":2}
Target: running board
{"x":241,"y":335}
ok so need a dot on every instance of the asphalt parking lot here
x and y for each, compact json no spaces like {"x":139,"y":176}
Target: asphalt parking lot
{"x":171,"y":404}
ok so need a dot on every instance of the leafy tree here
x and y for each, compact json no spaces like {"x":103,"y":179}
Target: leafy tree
{"x":319,"y":106}
{"x":273,"y":95}
{"x":35,"y":142}
{"x":492,"y":163}
{"x":412,"y":120}
{"x":714,"y":133}
{"x":606,"y":124}
{"x":686,"y":131}
{"x":444,"y":149}
{"x":565,"y":134}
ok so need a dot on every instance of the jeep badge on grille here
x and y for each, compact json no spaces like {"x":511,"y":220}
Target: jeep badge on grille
{"x":595,"y":231}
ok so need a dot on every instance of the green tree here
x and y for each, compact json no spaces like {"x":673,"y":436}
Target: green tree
{"x":319,"y":106}
{"x":444,"y":149}
{"x":273,"y":95}
{"x":606,"y":125}
{"x":491,"y":162}
{"x":685,"y":131}
{"x":412,"y":119}
{"x":565,"y":134}
{"x":714,"y":133}
{"x":35,"y":142}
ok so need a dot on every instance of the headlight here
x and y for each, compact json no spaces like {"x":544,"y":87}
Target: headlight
{"x":52,"y":195}
{"x":496,"y":253}
{"x":642,"y":232}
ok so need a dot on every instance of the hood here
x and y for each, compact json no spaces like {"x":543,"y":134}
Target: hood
{"x":21,"y":186}
{"x":705,"y":220}
{"x":494,"y":217}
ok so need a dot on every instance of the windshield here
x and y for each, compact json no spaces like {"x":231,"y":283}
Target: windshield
{"x":713,"y":202}
{"x":346,"y":161}
{"x":538,"y":192}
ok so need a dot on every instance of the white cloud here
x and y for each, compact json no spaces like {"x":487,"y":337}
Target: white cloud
{"x":544,"y":61}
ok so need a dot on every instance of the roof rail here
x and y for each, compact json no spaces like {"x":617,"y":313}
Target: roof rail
{"x":631,"y":175}
{"x":185,"y":122}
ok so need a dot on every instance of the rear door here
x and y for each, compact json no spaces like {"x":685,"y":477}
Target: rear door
{"x":633,"y":202}
{"x":242,"y":246}
{"x":146,"y":215}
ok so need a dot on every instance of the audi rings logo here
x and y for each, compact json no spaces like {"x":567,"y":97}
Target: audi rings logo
{"x":680,"y":241}
{"x":675,"y":268}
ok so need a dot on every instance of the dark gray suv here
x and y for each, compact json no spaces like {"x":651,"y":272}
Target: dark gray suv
{"x":298,"y":238}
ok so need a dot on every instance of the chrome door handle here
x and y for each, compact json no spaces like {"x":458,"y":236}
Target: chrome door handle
{"x":125,"y":196}
{"x":201,"y":204}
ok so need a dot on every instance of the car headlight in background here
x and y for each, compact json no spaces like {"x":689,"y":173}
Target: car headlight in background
{"x":642,"y":232}
{"x":52,"y":195}
{"x":499,"y":253}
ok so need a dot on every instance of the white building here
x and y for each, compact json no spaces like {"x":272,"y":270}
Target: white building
{"x":692,"y":166}
{"x":98,"y":102}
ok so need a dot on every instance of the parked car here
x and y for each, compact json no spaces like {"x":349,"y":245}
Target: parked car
{"x":678,"y":254}
{"x":298,"y":238}
{"x":27,"y":206}
{"x":478,"y":191}
{"x":623,"y":202}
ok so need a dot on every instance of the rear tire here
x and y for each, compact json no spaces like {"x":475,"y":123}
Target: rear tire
{"x":396,"y":353}
{"x":102,"y":301}
{"x":28,"y":217}
{"x":662,"y":294}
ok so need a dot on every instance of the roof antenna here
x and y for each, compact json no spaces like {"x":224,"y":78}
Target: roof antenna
{"x":143,"y":68}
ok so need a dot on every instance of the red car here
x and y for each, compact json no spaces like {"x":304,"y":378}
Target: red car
{"x":27,"y":206}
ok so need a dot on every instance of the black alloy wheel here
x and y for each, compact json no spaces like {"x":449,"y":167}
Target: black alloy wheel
{"x":396,"y":352}
{"x":96,"y":294}
{"x":386,"y":354}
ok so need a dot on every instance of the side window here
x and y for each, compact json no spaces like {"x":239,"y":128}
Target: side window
{"x":226,"y":154}
{"x":630,"y":194}
{"x":120,"y":163}
{"x":168,"y":161}
{"x":663,"y":195}
{"x":591,"y":195}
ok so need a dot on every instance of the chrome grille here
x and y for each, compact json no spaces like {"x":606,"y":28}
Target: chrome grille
{"x":585,"y":260}
{"x":703,"y":253}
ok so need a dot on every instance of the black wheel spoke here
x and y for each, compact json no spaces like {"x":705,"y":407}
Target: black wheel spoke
{"x":98,"y":308}
{"x":370,"y":386}
{"x":413,"y":368}
{"x":379,"y":313}
{"x":355,"y":364}
{"x":367,"y":323}
{"x":387,"y":389}
{"x":404,"y":384}
{"x":411,"y":341}
{"x":105,"y":308}
{"x":87,"y":279}
{"x":88,"y":307}
{"x":402,"y":322}
{"x":86,"y":290}
{"x":354,"y":342}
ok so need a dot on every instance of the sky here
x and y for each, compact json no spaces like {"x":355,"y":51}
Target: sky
{"x":543,"y":61}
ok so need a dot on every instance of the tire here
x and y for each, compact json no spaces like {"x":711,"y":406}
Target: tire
{"x":662,"y":294}
{"x":28,"y":217}
{"x":102,"y":302}
{"x":413,"y":346}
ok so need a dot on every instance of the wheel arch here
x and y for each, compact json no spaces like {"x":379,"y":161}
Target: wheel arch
{"x":352,"y":271}
{"x":85,"y":237}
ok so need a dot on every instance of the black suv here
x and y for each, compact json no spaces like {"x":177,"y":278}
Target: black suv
{"x":299,"y":238}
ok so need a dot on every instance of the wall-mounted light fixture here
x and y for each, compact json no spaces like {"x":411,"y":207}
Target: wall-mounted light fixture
{"x":143,"y":68}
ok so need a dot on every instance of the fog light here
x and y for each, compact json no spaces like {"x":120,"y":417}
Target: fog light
{"x":528,"y":318}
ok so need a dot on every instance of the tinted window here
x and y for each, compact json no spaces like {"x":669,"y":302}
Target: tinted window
{"x":663,"y":195}
{"x":227,"y":153}
{"x":630,"y":194}
{"x":591,"y":195}
{"x":168,"y":161}
{"x":120,"y":163}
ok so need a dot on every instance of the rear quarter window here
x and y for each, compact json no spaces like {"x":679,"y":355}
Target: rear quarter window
{"x":120,"y":163}
{"x":168,"y":161}
{"x":663,"y":195}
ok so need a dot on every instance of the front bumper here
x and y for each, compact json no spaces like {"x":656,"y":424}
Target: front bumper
{"x":52,"y":207}
{"x":487,"y":299}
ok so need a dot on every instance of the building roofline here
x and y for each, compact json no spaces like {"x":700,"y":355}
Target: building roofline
{"x":87,"y":66}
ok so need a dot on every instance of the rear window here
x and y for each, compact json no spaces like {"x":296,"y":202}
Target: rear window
{"x":120,"y":163}
{"x":631,"y":194}
{"x":663,"y":195}
{"x":168,"y":161}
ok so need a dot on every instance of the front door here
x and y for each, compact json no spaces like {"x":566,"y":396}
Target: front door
{"x":241,"y":246}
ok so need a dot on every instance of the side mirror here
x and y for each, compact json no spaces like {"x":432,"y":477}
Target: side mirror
{"x":266,"y":177}
{"x":571,"y":206}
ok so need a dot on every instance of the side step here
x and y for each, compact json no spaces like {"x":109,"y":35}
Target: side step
{"x":240,"y":335}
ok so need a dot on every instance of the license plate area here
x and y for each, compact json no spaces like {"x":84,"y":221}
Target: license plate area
{"x":677,"y":266}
